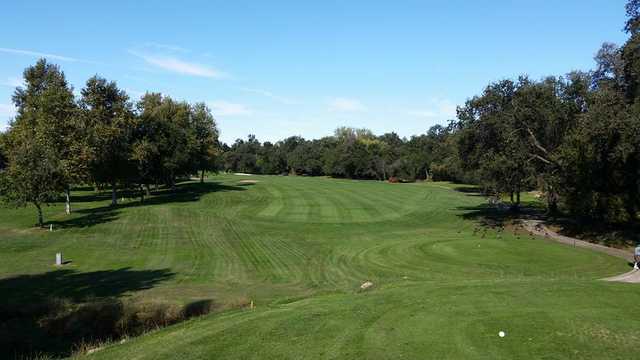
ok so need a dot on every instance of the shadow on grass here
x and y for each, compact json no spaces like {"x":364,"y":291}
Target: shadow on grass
{"x":51,"y":312}
{"x":78,"y":286}
{"x":501,"y":214}
{"x":613,"y":235}
{"x":199,"y":308}
{"x":470,"y":190}
{"x":185,"y":192}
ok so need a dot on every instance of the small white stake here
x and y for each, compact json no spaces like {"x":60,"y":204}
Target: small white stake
{"x":50,"y":227}
{"x":58,"y":259}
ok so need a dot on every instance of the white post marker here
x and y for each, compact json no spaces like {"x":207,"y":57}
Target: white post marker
{"x":50,"y":227}
{"x":502,"y":334}
{"x":58,"y":259}
{"x":636,"y":258}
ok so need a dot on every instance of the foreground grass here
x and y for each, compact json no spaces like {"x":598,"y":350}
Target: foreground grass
{"x":299,"y":248}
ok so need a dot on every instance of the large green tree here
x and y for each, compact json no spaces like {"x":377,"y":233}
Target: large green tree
{"x":492,"y":141}
{"x":109,"y":119}
{"x":601,"y":161}
{"x":205,"y":135}
{"x":39,"y":140}
{"x":165,"y":125}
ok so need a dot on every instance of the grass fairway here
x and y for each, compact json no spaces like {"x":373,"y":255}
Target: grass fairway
{"x":300,"y":248}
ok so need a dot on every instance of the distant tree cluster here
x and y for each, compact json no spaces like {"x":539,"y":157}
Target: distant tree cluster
{"x":56,"y":140}
{"x":350,"y":153}
{"x":576,"y":138}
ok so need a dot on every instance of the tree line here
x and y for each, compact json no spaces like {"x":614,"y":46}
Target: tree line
{"x":576,"y":138}
{"x":349,"y":153}
{"x":102,"y":138}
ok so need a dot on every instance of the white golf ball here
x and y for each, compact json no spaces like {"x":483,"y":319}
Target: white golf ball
{"x":501,"y":334}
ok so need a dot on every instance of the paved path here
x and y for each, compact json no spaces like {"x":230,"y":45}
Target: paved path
{"x":537,"y":227}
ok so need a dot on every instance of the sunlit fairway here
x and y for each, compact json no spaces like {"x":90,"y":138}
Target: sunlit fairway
{"x":300,"y":248}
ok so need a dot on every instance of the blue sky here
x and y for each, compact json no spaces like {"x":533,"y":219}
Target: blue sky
{"x":281,"y":68}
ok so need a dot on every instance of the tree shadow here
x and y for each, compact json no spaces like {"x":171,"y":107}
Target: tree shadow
{"x":617,"y":235}
{"x":498,"y":215}
{"x":200,"y":307}
{"x":78,"y":286}
{"x":88,"y":217}
{"x":470,"y":190}
{"x":185,"y":192}
{"x":49,"y":313}
{"x":613,"y":235}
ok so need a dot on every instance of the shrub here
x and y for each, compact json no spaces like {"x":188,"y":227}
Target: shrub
{"x":58,"y":327}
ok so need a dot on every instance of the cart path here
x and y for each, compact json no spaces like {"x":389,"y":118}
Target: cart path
{"x":537,"y":227}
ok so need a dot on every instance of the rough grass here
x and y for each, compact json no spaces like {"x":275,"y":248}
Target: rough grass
{"x":300,"y":248}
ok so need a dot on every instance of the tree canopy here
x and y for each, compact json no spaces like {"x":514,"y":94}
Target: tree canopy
{"x":575,"y":138}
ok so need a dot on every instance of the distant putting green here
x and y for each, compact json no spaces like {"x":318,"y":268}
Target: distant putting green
{"x":300,"y":248}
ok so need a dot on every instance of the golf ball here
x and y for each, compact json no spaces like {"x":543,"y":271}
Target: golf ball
{"x":501,"y":334}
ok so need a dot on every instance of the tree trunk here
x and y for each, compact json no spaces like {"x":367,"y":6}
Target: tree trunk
{"x":518,"y":198}
{"x":511,"y":195}
{"x":172,"y":179}
{"x":67,"y":204}
{"x":148,"y":188}
{"x":40,"y":217}
{"x":552,"y":207}
{"x":202,"y":176}
{"x":142,"y":191}
{"x":114,"y":196}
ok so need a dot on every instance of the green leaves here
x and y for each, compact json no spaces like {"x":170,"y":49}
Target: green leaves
{"x":38,"y":143}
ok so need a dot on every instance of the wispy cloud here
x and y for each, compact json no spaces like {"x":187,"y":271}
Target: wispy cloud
{"x":225,"y":108}
{"x":40,"y":54}
{"x":269,"y":94}
{"x":168,"y":47}
{"x":346,"y":105}
{"x":13,"y":81}
{"x":436,"y":109}
{"x":176,"y":65}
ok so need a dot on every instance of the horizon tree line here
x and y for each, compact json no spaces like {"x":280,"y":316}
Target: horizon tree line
{"x":576,"y":138}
